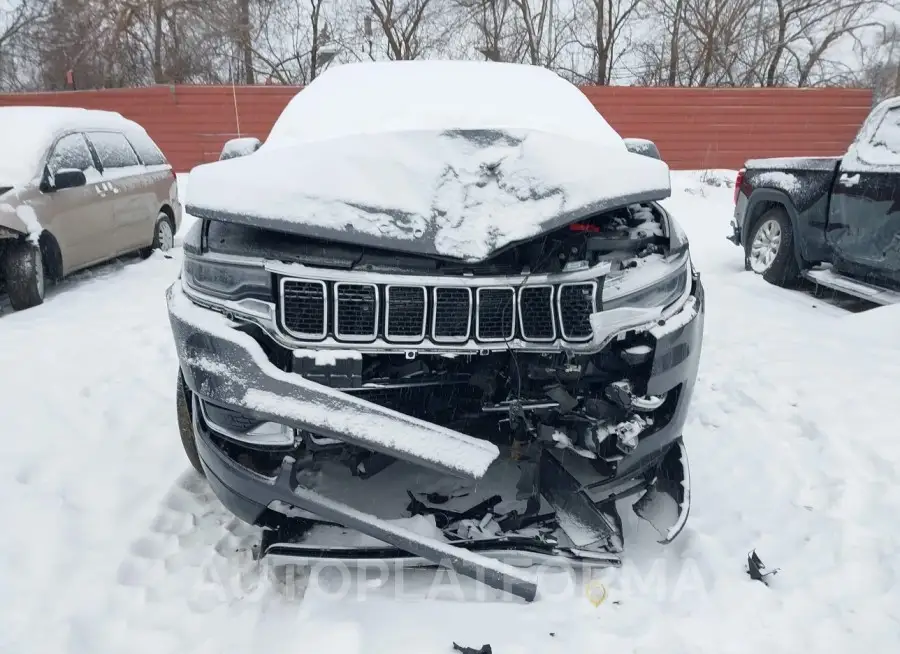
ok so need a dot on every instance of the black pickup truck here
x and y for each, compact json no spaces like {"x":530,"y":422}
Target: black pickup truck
{"x":832,"y":220}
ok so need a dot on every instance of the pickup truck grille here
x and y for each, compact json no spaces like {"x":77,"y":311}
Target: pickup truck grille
{"x":362,"y":313}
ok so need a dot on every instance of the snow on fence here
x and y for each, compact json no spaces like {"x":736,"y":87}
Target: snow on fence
{"x":694,"y":128}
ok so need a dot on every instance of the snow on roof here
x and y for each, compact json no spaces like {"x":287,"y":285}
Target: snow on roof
{"x":379,"y":97}
{"x":27,"y":132}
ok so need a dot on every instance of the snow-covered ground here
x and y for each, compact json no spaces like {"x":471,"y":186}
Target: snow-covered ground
{"x":111,"y":544}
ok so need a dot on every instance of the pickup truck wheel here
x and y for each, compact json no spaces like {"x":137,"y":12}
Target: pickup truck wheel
{"x":23,"y":268}
{"x":770,"y":249}
{"x":186,"y":425}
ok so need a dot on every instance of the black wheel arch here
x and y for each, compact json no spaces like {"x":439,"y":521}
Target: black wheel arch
{"x":166,"y":209}
{"x":762,"y":200}
{"x":52,"y":256}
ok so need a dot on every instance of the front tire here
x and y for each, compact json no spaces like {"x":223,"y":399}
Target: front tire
{"x":770,"y":249}
{"x":23,"y":269}
{"x":163,"y":235}
{"x":186,"y":424}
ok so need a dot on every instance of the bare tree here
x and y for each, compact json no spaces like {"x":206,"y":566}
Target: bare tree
{"x":802,"y":31}
{"x":493,"y":24}
{"x":543,"y":31}
{"x":598,"y":30}
{"x":297,"y":41}
{"x":18,"y":21}
{"x":402,"y":24}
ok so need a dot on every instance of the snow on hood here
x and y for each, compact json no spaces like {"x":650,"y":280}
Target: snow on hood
{"x":461,"y":194}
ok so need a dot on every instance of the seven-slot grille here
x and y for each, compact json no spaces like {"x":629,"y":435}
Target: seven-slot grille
{"x":363,"y":312}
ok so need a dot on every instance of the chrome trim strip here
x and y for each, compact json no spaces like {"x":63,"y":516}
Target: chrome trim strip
{"x":552,"y":315}
{"x":512,"y":334}
{"x":450,"y":339}
{"x":302,"y":335}
{"x":562,"y":323}
{"x":364,"y":276}
{"x":355,"y":338}
{"x":417,"y":338}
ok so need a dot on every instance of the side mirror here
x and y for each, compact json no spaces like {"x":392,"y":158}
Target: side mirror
{"x":240,"y":147}
{"x":643,"y":146}
{"x":62,"y":179}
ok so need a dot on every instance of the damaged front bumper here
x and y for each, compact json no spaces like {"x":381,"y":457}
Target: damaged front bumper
{"x":222,"y":363}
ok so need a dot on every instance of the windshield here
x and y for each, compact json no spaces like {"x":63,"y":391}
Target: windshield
{"x":23,"y":143}
{"x":367,"y":98}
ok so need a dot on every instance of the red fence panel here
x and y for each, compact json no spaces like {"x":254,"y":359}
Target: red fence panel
{"x":694,"y":128}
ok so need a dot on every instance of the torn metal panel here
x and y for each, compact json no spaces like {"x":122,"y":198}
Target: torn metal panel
{"x":585,"y":522}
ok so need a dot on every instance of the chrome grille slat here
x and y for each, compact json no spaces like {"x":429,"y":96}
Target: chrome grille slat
{"x":537,"y":319}
{"x":405,"y":313}
{"x":355,"y":311}
{"x":575,"y":302}
{"x":451,"y":314}
{"x":303,"y":308}
{"x":495,"y":313}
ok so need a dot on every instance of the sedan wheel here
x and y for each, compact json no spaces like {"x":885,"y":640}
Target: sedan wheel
{"x":164,"y":236}
{"x":765,"y":246}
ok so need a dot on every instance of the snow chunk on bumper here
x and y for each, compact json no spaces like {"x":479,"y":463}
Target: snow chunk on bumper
{"x":461,"y":194}
{"x":227,"y":366}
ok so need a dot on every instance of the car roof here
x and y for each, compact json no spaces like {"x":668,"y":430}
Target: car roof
{"x":26,"y":132}
{"x":57,"y":119}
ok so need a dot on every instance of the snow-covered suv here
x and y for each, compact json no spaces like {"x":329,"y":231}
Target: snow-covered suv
{"x":440,"y":306}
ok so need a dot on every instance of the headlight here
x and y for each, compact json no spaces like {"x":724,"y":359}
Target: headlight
{"x":656,"y":284}
{"x":228,"y":280}
{"x":678,"y":240}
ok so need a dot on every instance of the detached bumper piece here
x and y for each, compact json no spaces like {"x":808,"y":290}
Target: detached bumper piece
{"x":516,"y":551}
{"x":667,"y":502}
{"x":229,"y":368}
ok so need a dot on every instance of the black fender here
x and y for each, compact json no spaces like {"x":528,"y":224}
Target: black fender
{"x":755,"y":208}
{"x":52,"y":255}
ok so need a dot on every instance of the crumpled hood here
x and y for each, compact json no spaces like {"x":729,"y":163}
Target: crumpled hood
{"x":455,"y":194}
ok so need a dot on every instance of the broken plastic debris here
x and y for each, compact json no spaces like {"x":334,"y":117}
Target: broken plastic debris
{"x":485,"y":649}
{"x":755,"y":568}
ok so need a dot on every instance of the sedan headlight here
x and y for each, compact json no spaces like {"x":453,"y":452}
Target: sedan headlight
{"x":227,"y":280}
{"x":653,"y":284}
